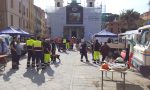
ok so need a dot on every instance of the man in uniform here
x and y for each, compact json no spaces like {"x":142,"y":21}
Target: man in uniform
{"x":83,"y":51}
{"x":30,"y":51}
{"x":39,"y":55}
{"x":47,"y":52}
{"x":96,"y":54}
{"x":64,"y":44}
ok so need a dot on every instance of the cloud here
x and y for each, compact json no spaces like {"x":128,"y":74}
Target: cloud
{"x":41,"y":3}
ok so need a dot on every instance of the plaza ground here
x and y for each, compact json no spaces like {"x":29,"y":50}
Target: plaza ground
{"x":68,"y":74}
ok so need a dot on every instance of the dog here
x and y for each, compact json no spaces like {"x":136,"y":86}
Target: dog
{"x":56,"y":56}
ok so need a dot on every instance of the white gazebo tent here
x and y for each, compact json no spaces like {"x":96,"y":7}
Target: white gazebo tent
{"x":104,"y":35}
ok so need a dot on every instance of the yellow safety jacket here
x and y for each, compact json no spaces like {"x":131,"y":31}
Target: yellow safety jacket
{"x":37,"y":45}
{"x":29,"y":43}
{"x":64,"y":40}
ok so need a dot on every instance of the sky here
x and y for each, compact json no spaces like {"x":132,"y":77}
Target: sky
{"x":112,"y":6}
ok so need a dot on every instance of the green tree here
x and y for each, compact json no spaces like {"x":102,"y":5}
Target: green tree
{"x":109,"y":17}
{"x":131,"y":17}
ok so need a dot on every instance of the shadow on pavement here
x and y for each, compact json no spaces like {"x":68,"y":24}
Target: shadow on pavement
{"x":142,"y":76}
{"x":38,"y":77}
{"x":128,"y":87}
{"x":49,"y":71}
{"x":7,"y":75}
{"x":90,"y":64}
{"x":110,"y":80}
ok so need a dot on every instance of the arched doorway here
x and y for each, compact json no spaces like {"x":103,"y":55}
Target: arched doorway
{"x":73,"y":31}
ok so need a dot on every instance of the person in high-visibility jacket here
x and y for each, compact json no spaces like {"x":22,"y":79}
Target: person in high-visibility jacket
{"x":67,"y":44}
{"x":47,"y":52}
{"x":97,"y":52}
{"x":29,"y":44}
{"x":64,"y":44}
{"x":39,"y":55}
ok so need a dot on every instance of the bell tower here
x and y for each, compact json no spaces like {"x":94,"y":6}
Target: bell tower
{"x":90,"y":3}
{"x":59,"y":3}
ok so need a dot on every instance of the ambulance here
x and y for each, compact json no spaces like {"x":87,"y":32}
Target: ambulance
{"x":141,"y":52}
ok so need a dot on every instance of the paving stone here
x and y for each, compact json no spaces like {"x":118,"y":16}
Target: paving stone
{"x":69,"y":74}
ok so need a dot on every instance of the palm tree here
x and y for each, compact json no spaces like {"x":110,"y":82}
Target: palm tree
{"x":131,"y":17}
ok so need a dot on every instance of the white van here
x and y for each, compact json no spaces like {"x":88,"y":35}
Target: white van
{"x":141,"y":55}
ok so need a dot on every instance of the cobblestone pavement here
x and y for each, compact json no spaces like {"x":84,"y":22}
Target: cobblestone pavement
{"x":69,"y":74}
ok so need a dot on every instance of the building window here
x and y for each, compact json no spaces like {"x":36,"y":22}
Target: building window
{"x":90,"y":4}
{"x":23,"y":10}
{"x":19,"y":7}
{"x":27,"y":12}
{"x":11,"y":18}
{"x":20,"y":22}
{"x":27,"y":25}
{"x":58,"y":4}
{"x":12,"y":3}
{"x":23,"y":23}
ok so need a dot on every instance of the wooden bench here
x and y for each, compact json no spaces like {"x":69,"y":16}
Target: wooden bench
{"x":3,"y":62}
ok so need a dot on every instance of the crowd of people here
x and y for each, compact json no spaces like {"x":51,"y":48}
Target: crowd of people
{"x":41,"y":52}
{"x":97,"y":50}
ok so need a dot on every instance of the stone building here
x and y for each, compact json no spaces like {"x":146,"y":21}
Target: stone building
{"x":74,"y":20}
{"x":39,"y":23}
{"x":17,"y":13}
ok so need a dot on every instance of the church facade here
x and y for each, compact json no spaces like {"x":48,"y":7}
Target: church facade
{"x":74,"y":20}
